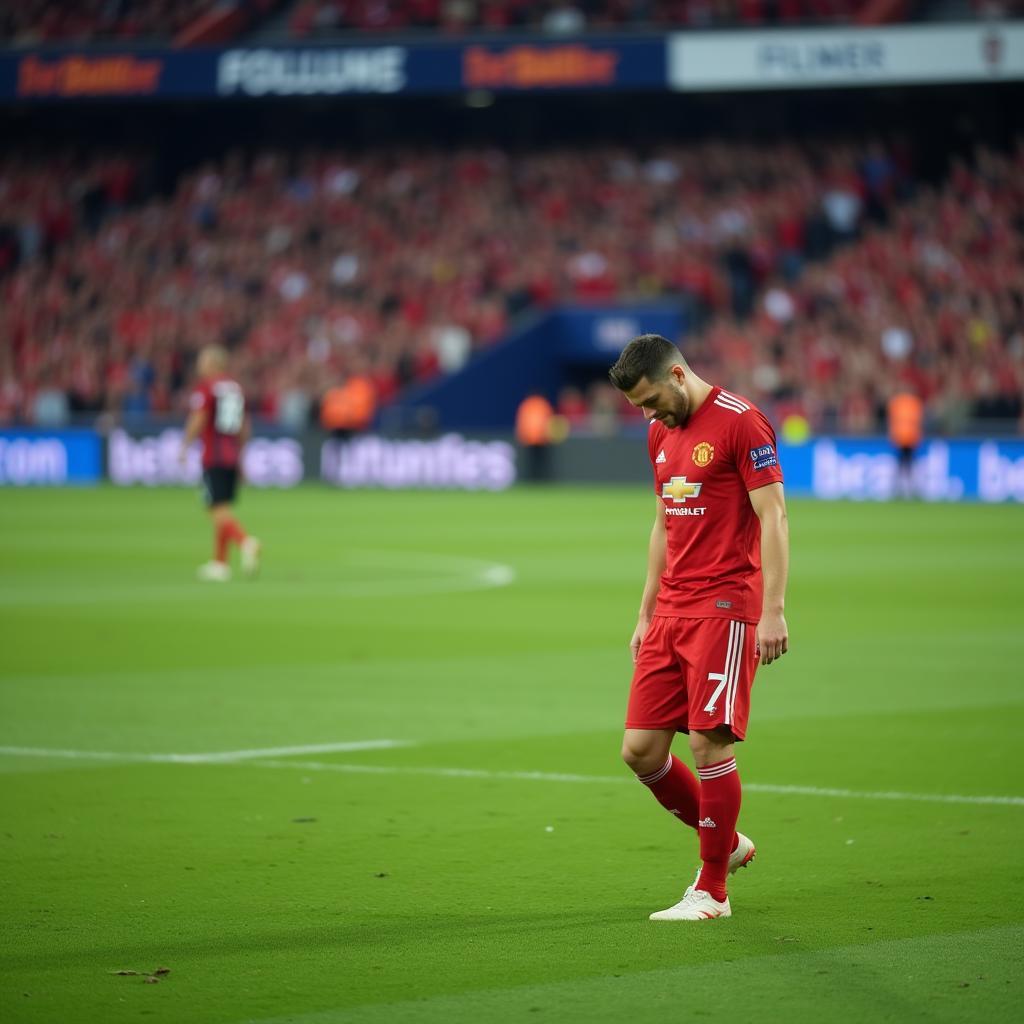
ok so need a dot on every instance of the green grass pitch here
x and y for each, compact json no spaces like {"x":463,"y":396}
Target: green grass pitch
{"x":472,"y":874}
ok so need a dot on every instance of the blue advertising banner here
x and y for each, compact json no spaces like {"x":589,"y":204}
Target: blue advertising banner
{"x":50,"y":457}
{"x":867,"y":470}
{"x":599,"y":334}
{"x":289,"y":71}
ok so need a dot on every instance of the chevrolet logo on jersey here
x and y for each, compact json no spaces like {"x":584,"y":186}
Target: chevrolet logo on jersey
{"x":679,"y":489}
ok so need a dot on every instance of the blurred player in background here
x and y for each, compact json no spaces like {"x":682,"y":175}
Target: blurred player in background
{"x":708,"y":615}
{"x":219,"y":419}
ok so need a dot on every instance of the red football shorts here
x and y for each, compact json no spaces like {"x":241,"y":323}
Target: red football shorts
{"x":694,"y":674}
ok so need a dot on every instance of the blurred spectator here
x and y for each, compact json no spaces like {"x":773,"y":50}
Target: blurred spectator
{"x":348,"y":408}
{"x":563,"y":18}
{"x":905,"y":415}
{"x":573,"y":406}
{"x":50,"y":408}
{"x":533,"y":432}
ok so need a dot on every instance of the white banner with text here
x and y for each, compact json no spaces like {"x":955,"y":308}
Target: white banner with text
{"x":846,"y":57}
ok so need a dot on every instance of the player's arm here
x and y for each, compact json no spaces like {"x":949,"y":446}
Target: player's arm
{"x":194,"y":426}
{"x":770,"y":507}
{"x":655,"y":568}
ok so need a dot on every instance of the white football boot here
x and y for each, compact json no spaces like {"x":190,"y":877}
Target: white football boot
{"x":696,"y":905}
{"x":742,"y":855}
{"x":214,"y":572}
{"x":250,"y":550}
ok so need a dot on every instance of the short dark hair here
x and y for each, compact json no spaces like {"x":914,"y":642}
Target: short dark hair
{"x":648,"y":355}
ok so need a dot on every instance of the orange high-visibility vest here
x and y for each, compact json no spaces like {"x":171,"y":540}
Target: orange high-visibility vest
{"x":533,"y":420}
{"x":350,"y":406}
{"x":906,"y":420}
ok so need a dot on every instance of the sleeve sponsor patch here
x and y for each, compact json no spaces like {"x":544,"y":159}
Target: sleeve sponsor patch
{"x":764,"y":457}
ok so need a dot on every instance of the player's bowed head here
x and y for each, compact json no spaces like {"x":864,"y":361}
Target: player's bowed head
{"x":655,"y":376}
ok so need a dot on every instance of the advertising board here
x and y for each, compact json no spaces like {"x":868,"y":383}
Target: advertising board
{"x":29,"y":457}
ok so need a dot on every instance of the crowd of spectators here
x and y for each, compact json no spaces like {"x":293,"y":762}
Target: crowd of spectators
{"x":313,"y":18}
{"x":38,"y":22}
{"x":310,"y":18}
{"x":930,"y":302}
{"x":816,"y":277}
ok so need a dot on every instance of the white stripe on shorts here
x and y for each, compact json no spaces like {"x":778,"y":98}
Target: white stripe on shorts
{"x":737,"y":636}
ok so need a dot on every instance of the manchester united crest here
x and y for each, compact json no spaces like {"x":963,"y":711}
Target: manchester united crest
{"x":703,"y":453}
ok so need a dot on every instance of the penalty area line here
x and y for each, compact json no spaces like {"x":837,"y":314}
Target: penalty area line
{"x":216,"y":757}
{"x":523,"y":776}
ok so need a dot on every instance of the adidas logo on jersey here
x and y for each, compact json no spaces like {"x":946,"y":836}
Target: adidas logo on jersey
{"x":661,"y":457}
{"x":706,"y":823}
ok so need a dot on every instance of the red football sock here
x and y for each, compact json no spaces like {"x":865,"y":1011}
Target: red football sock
{"x":234,"y":531}
{"x":720,"y":795}
{"x":227,"y":531}
{"x":675,"y":788}
{"x":220,"y":545}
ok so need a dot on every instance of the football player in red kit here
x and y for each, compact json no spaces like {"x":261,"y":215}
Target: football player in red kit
{"x":712,"y":606}
{"x":219,"y":419}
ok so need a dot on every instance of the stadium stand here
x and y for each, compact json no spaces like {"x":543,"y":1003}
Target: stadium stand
{"x":39,"y":22}
{"x":812,"y":274}
{"x":317,"y":19}
{"x":188,"y":22}
{"x":311,"y":18}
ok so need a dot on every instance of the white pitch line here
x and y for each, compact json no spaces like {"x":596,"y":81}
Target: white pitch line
{"x":928,"y":798}
{"x":217,"y":757}
{"x":265,"y":759}
{"x":750,"y":787}
{"x":445,"y":773}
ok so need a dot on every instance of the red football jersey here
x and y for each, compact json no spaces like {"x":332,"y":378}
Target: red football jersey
{"x":702,"y":472}
{"x":224,"y":402}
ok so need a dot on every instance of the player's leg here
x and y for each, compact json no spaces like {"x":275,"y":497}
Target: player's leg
{"x":720,"y":798}
{"x":725,"y":659}
{"x":645,"y":750}
{"x":216,"y":570}
{"x":673,"y":785}
{"x":719,"y":801}
{"x":227,"y":529}
{"x":657,"y":710}
{"x":249,"y":547}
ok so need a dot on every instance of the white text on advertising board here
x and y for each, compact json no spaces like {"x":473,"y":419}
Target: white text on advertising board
{"x":451,"y":461}
{"x":891,"y":54}
{"x":312,"y":72}
{"x":152,"y":460}
{"x":33,"y":461}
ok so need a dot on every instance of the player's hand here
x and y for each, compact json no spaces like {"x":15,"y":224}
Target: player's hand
{"x":638,"y":638}
{"x":183,"y":458}
{"x":772,"y":637}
